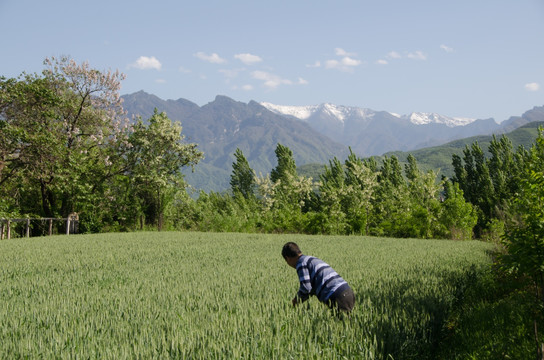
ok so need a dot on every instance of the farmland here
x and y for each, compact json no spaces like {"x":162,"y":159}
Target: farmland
{"x":215,"y":295}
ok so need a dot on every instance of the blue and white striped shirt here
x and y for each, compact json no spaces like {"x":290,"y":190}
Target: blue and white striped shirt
{"x":318,"y":278}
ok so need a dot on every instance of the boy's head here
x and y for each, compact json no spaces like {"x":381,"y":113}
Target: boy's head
{"x":291,"y":252}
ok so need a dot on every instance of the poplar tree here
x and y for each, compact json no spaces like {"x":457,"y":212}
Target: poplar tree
{"x":242,"y":178}
{"x":286,"y":166}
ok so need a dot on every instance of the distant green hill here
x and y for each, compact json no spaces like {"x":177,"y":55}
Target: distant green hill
{"x":439,"y":157}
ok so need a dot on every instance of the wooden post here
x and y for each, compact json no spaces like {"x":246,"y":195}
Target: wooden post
{"x":68,"y":225}
{"x":9,"y":230}
{"x":2,"y":230}
{"x":50,"y":227}
{"x":27,"y":228}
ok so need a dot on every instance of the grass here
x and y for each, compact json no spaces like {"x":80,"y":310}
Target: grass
{"x":205,"y":296}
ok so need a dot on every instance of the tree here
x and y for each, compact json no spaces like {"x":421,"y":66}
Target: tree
{"x":424,"y":202}
{"x":475,"y":181}
{"x":286,"y":165}
{"x":524,"y":241}
{"x":58,"y":130}
{"x":155,"y":160}
{"x":362,"y":183}
{"x":332,"y":190}
{"x":411,"y":169}
{"x":242,"y":178}
{"x":285,"y":196}
{"x":457,"y":215}
{"x":391,"y":209}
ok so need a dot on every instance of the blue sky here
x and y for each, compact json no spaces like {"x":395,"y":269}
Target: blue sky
{"x":464,"y":58}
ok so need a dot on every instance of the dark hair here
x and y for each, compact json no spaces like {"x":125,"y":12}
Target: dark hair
{"x":290,"y":249}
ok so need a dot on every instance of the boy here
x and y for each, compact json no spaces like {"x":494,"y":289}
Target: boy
{"x":318,"y":278}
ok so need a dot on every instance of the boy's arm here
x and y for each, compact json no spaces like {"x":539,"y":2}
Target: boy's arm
{"x":305,"y":285}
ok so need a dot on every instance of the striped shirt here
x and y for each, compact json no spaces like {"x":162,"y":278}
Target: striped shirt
{"x":318,"y":278}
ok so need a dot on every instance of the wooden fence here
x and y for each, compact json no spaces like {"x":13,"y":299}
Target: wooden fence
{"x":7,"y":226}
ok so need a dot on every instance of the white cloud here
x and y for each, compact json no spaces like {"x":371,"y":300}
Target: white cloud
{"x":393,"y":55}
{"x":145,"y":63}
{"x":212,"y":58}
{"x":160,"y":81}
{"x":532,"y":86}
{"x":271,"y":81}
{"x":314,"y":65}
{"x":345,"y":64}
{"x":446,"y":48}
{"x":382,"y":62}
{"x":342,"y":52}
{"x":247,"y":87}
{"x":417,"y":55}
{"x":248,"y":59}
{"x":184,"y":70}
{"x":347,"y":61}
{"x":302,"y":81}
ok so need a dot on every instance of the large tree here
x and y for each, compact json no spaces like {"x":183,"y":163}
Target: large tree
{"x":155,"y":160}
{"x":58,"y":130}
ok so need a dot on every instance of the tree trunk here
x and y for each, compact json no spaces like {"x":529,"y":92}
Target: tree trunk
{"x":46,"y":200}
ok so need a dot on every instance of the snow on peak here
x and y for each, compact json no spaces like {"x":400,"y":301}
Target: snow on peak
{"x":338,"y":112}
{"x":341,"y":113}
{"x":420,"y":118}
{"x":300,"y":112}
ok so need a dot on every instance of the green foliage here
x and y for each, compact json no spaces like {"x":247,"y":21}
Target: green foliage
{"x":154,"y":162}
{"x":458,"y":216}
{"x":58,"y":133}
{"x":286,"y":165}
{"x":493,"y":320}
{"x":524,"y":240}
{"x":440,"y":157}
{"x":243,"y":177}
{"x":208,"y":295}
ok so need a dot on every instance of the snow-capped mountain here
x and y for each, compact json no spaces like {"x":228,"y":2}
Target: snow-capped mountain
{"x":371,"y":132}
{"x":340,"y":113}
{"x":420,"y":118}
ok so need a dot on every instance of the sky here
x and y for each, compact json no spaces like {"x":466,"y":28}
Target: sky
{"x":465,"y":58}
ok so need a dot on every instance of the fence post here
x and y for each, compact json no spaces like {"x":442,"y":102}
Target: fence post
{"x":50,"y":227}
{"x":27,"y":228}
{"x":9,"y":230}
{"x":1,"y":230}
{"x":68,"y":225}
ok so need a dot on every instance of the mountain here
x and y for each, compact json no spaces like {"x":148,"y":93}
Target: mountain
{"x":223,"y":125}
{"x":315,"y":134}
{"x":371,"y":132}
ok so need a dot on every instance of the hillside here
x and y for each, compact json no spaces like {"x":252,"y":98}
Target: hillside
{"x":439,"y":157}
{"x":223,"y":125}
{"x":318,"y":135}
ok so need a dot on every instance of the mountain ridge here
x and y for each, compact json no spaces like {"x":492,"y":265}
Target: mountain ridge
{"x":224,"y":124}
